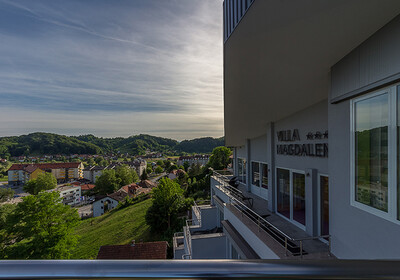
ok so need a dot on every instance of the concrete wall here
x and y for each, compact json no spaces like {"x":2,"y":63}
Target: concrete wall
{"x":258,"y":246}
{"x":374,"y":63}
{"x":209,"y":246}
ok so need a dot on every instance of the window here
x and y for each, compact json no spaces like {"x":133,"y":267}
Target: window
{"x":264,"y":169}
{"x":242,"y":170}
{"x":375,"y":143}
{"x":255,"y":169}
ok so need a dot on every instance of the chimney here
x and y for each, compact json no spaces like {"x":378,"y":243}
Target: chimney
{"x":133,"y":243}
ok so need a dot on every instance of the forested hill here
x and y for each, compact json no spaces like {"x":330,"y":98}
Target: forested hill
{"x":40,"y":143}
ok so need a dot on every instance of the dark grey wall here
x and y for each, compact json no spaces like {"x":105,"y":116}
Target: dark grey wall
{"x":374,"y":63}
{"x":355,"y":233}
{"x":259,"y":149}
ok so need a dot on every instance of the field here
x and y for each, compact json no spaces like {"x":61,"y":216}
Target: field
{"x":116,"y":227}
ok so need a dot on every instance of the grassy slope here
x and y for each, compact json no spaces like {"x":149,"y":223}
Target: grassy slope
{"x":4,"y":179}
{"x":117,"y":227}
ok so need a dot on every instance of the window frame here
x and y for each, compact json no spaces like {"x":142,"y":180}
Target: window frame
{"x":262,"y":192}
{"x":391,"y":214}
{"x":291,"y":219}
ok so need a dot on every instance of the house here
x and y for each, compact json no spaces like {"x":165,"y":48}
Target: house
{"x":64,"y":171}
{"x":175,"y":173}
{"x":134,"y":251}
{"x":105,"y":203}
{"x":311,"y":92}
{"x":147,"y":184}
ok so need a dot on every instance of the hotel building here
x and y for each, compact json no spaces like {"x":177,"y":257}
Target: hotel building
{"x":311,"y":102}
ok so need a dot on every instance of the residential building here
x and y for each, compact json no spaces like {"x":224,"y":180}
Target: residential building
{"x":64,"y":172}
{"x":71,"y":195}
{"x":106,"y":203}
{"x":92,"y":172}
{"x":311,"y":98}
{"x":195,"y":159}
{"x":134,"y":251}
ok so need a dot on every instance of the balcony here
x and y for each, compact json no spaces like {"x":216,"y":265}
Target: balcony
{"x":202,"y":237}
{"x":248,"y":221}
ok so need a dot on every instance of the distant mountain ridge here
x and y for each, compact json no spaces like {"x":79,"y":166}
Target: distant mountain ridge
{"x":40,"y":143}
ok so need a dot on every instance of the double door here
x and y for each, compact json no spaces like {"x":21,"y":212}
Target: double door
{"x":291,"y":199}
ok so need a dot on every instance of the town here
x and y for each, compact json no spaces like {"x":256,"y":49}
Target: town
{"x":96,"y":185}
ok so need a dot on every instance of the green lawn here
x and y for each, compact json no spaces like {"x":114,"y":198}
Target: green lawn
{"x":117,"y":227}
{"x":4,"y":179}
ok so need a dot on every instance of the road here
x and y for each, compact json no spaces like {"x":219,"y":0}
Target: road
{"x":154,"y":180}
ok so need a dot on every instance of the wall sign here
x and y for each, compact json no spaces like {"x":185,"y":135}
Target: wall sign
{"x":302,"y":149}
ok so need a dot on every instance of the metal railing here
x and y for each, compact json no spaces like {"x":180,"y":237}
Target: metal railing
{"x":196,"y":207}
{"x":199,"y":269}
{"x":263,"y":223}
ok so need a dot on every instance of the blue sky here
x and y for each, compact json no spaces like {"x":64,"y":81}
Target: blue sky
{"x":111,"y":68}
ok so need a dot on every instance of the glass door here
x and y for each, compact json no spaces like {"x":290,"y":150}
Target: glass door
{"x":291,"y":199}
{"x":283,"y":193}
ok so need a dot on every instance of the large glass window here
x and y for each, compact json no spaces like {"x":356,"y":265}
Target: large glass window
{"x":371,"y":151}
{"x":264,"y":168}
{"x":242,"y":170}
{"x":299,"y":198}
{"x":283,"y":194}
{"x":255,"y":171}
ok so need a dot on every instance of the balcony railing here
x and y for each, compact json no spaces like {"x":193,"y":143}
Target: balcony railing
{"x":199,"y":269}
{"x":294,"y":246}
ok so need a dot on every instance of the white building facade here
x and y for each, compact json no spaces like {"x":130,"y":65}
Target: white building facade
{"x":311,"y":94}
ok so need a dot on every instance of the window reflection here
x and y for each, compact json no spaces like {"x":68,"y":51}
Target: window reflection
{"x":371,"y":151}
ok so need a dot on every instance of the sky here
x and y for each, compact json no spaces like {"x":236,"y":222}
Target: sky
{"x":111,"y":68}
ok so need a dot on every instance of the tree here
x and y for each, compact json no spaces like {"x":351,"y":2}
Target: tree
{"x":160,"y":163}
{"x":5,"y":194}
{"x":144,"y":175}
{"x":167,"y":202}
{"x":135,"y":176}
{"x":124,"y":174}
{"x":158,"y":170}
{"x":44,"y":181}
{"x":41,"y":227}
{"x":186,"y":165}
{"x":194,"y":170}
{"x":172,"y":167}
{"x":219,"y":159}
{"x":107,"y":182}
{"x":149,"y":170}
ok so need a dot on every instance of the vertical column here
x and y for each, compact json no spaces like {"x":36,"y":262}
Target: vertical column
{"x":271,"y":167}
{"x":311,"y":195}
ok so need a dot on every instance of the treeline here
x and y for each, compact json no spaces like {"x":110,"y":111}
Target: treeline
{"x":40,"y":143}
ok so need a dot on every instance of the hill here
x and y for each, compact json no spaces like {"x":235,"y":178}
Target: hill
{"x":200,"y":145}
{"x":114,"y":228}
{"x":41,"y":143}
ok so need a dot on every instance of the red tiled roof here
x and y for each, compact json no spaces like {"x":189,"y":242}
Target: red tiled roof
{"x":44,"y":166}
{"x":129,"y":188}
{"x":30,"y":168}
{"x":147,"y":184}
{"x":87,"y":187}
{"x":139,"y":251}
